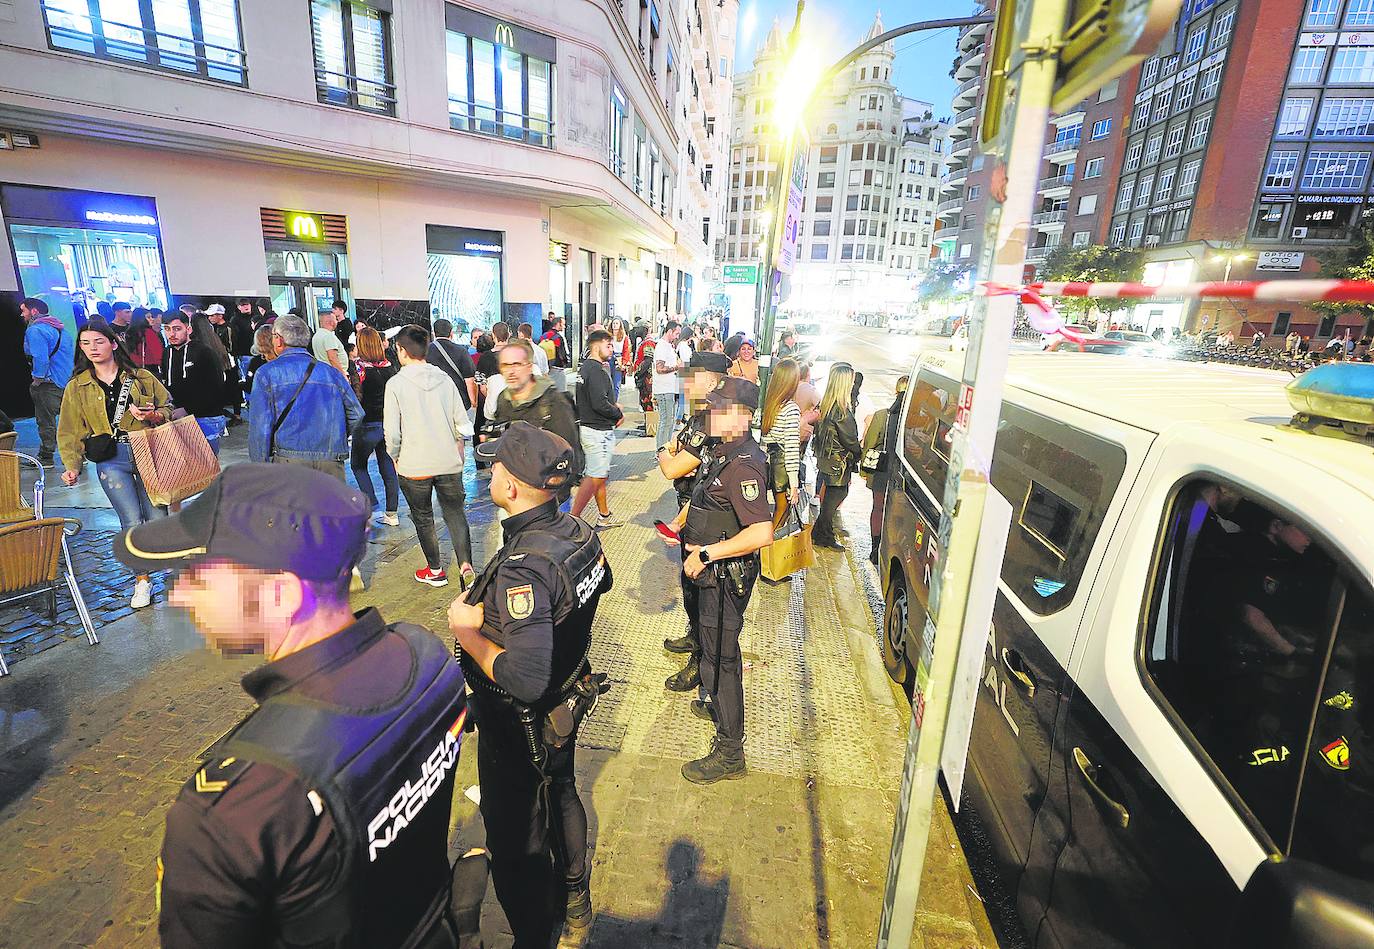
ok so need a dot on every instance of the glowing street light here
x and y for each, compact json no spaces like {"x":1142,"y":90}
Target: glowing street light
{"x":798,"y":81}
{"x":1231,"y":259}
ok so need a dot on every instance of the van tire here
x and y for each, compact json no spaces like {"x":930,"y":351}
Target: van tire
{"x":895,"y":617}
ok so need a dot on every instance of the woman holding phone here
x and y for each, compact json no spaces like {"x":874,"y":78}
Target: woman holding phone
{"x":108,"y":397}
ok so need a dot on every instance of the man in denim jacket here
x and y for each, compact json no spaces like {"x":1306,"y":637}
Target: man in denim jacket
{"x":314,"y":431}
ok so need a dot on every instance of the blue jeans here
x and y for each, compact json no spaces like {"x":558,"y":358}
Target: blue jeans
{"x":370,"y":439}
{"x":243,"y":373}
{"x":213,"y":428}
{"x":617,"y":377}
{"x":120,"y":481}
{"x":665,"y":403}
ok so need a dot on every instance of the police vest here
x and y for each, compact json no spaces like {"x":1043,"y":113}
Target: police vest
{"x":693,"y":436}
{"x":708,"y":519}
{"x":386,"y":774}
{"x":583,"y":572}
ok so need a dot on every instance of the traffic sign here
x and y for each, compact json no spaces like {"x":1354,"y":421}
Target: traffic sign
{"x":791,"y":224}
{"x":740,"y":273}
{"x":1103,"y":39}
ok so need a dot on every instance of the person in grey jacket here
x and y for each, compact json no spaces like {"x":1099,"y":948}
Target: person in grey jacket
{"x":425,"y":423}
{"x":597,"y":417}
{"x":838,"y":451}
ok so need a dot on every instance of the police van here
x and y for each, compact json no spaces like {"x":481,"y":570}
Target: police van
{"x":1172,"y":745}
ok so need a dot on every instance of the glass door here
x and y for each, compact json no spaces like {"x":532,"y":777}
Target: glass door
{"x":283,"y":297}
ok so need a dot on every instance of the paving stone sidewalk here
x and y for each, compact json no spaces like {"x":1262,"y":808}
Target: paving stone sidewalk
{"x":95,"y":741}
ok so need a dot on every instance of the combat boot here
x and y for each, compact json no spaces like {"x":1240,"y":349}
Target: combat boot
{"x":719,"y":765}
{"x":687,"y":643}
{"x":686,"y":680}
{"x":703,"y":710}
{"x":579,"y":912}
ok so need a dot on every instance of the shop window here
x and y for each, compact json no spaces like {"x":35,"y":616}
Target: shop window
{"x":1327,"y":326}
{"x":1281,"y":324}
{"x":1239,"y":628}
{"x":501,"y":79}
{"x":1269,"y":220}
{"x":197,"y":38}
{"x":352,"y":59}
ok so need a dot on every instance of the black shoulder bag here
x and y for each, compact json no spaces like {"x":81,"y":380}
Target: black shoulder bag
{"x":276,"y":426}
{"x":101,"y":446}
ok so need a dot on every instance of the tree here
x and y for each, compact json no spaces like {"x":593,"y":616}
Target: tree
{"x":944,"y":281}
{"x":1354,"y":262}
{"x":1092,"y":264}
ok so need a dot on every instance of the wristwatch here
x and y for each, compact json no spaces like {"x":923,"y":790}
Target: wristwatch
{"x":704,"y":554}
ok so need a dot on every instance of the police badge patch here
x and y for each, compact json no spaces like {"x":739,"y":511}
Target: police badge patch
{"x":520,"y":601}
{"x":750,"y":490}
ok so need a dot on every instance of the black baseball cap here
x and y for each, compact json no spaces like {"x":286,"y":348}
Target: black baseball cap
{"x":707,"y":362}
{"x":537,"y":457}
{"x":271,"y":517}
{"x":733,"y":391}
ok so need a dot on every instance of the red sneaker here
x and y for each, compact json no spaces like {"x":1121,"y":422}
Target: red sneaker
{"x":435,"y":578}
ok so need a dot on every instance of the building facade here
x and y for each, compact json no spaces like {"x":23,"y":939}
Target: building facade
{"x":962,"y":209}
{"x":422,"y":160}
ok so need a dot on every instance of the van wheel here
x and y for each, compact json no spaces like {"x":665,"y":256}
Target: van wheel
{"x":894,"y":630}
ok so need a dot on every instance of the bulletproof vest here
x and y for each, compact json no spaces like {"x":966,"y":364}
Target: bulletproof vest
{"x":584,"y":574}
{"x":386,"y":774}
{"x":708,"y":519}
{"x":693,"y":434}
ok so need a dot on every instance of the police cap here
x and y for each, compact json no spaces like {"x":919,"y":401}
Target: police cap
{"x":706,"y":362}
{"x":271,"y":517}
{"x":734,"y":391}
{"x":537,"y":457}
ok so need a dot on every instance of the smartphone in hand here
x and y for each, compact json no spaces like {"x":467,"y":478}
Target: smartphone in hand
{"x":667,"y":532}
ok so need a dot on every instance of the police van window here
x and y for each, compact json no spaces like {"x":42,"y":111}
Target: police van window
{"x":926,"y":431}
{"x":1059,"y":481}
{"x":1337,"y":792}
{"x":1241,"y":617}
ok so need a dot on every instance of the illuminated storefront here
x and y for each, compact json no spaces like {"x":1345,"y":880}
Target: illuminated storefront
{"x":307,"y":261}
{"x":464,"y":266}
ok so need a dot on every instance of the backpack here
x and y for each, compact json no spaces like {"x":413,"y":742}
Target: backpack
{"x":550,"y":349}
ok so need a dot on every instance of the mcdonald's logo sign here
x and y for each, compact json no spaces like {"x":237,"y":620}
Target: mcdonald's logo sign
{"x":505,"y":36}
{"x":304,"y":226}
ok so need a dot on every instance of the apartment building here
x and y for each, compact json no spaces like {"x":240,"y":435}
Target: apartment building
{"x":962,"y":211}
{"x":417,"y":160}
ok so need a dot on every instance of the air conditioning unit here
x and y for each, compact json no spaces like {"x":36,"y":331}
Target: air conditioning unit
{"x":1152,"y":240}
{"x":1299,"y":233}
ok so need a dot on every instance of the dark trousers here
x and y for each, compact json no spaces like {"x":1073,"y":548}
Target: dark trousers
{"x":824,"y":531}
{"x":369,"y":440}
{"x":47,"y":399}
{"x":530,"y":866}
{"x":720,"y":617}
{"x":419,"y":494}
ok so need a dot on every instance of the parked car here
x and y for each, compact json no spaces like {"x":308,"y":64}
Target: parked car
{"x":1172,"y":744}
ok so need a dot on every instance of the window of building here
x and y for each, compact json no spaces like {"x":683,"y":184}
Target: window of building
{"x":1152,"y":147}
{"x":1141,"y":117}
{"x":824,"y":203}
{"x":1144,"y":190}
{"x":820,"y":228}
{"x":1354,"y":64}
{"x":1101,"y":129}
{"x":1278,"y":175}
{"x":1093,"y":167}
{"x":1118,"y":233}
{"x":1123,"y":201}
{"x":1281,"y":324}
{"x":499,"y":88}
{"x":1108,"y":92}
{"x":615,"y":140}
{"x":1360,"y":13}
{"x":352,"y":66}
{"x":1133,"y":155}
{"x":1343,"y":117}
{"x":1209,"y":83}
{"x":1087,"y":204}
{"x":1194,"y":45}
{"x":1338,"y":171}
{"x":1187,"y":178}
{"x":1222,"y":26}
{"x":1293,"y":115}
{"x":968,"y":220}
{"x":825,"y":179}
{"x":1269,"y":219}
{"x":200,"y":39}
{"x":1178,"y":225}
{"x":1081,"y":238}
{"x":1321,"y":13}
{"x":1173,"y":141}
{"x":1308,"y":63}
{"x":820,"y":251}
{"x":829,"y":154}
{"x":1184,"y":91}
{"x":1149,"y":71}
{"x":965,"y":250}
{"x":1165,"y":188}
{"x":974,"y":191}
{"x":1137,"y":231}
{"x":1197,"y":135}
{"x":846,"y":252}
{"x":1162,"y":103}
{"x":855,"y":176}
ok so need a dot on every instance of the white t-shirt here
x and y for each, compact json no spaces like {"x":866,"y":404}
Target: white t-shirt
{"x":666,"y":382}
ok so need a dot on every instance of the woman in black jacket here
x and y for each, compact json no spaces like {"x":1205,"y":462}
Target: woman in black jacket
{"x":369,"y":438}
{"x":838,"y":451}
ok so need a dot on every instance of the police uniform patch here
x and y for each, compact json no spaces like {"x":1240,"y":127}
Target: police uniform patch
{"x":750,"y":490}
{"x":1337,"y":754}
{"x":1341,"y":700}
{"x":520,"y":601}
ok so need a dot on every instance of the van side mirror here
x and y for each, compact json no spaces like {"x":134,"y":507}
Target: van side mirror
{"x":1294,"y":903}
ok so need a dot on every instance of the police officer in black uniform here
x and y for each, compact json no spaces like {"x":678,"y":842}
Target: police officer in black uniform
{"x":729,"y":520}
{"x":524,"y":643}
{"x":322,"y":819}
{"x":680,"y":460}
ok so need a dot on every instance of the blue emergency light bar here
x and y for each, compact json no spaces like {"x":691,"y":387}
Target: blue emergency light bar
{"x":1340,"y":391}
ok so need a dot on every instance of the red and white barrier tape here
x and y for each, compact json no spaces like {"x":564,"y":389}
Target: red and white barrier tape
{"x":1277,"y":291}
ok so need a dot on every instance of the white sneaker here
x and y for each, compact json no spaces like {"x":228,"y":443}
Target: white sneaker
{"x":355,"y":584}
{"x":389,"y":518}
{"x":143,"y":594}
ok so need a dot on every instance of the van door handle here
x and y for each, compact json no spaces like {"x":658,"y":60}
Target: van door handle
{"x":1090,"y":772}
{"x":1015,"y":664}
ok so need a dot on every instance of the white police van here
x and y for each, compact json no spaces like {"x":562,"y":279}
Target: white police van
{"x":1173,"y":744}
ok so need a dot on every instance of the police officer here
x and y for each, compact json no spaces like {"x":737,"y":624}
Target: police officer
{"x":729,"y":521}
{"x":524,"y":633}
{"x":680,"y":460}
{"x":322,"y":819}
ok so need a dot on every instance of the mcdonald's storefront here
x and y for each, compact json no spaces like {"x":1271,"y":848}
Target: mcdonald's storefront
{"x":307,"y":261}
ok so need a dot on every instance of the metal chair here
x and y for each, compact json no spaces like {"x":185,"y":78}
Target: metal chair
{"x":13,"y":505}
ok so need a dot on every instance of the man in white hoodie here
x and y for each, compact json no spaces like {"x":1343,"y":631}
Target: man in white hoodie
{"x":425,"y":424}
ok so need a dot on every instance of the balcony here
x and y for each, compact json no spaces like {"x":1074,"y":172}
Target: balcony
{"x":961,"y":148}
{"x":1062,"y":150}
{"x":950,"y":204}
{"x":1036,"y":255}
{"x":967,"y":92}
{"x":955,"y":177}
{"x":1057,"y":183}
{"x":965,"y":117}
{"x":1069,"y":118}
{"x":970,"y":65}
{"x":949,"y":233}
{"x":1049,"y":218}
{"x":970,"y":35}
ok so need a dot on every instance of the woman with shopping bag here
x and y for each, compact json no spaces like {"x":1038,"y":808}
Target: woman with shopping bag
{"x":837,"y":452}
{"x":108,"y":397}
{"x":781,"y":427}
{"x":879,"y":440}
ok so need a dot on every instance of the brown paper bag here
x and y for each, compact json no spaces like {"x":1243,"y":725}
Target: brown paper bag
{"x":788,"y":555}
{"x":174,"y":460}
{"x":651,"y":423}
